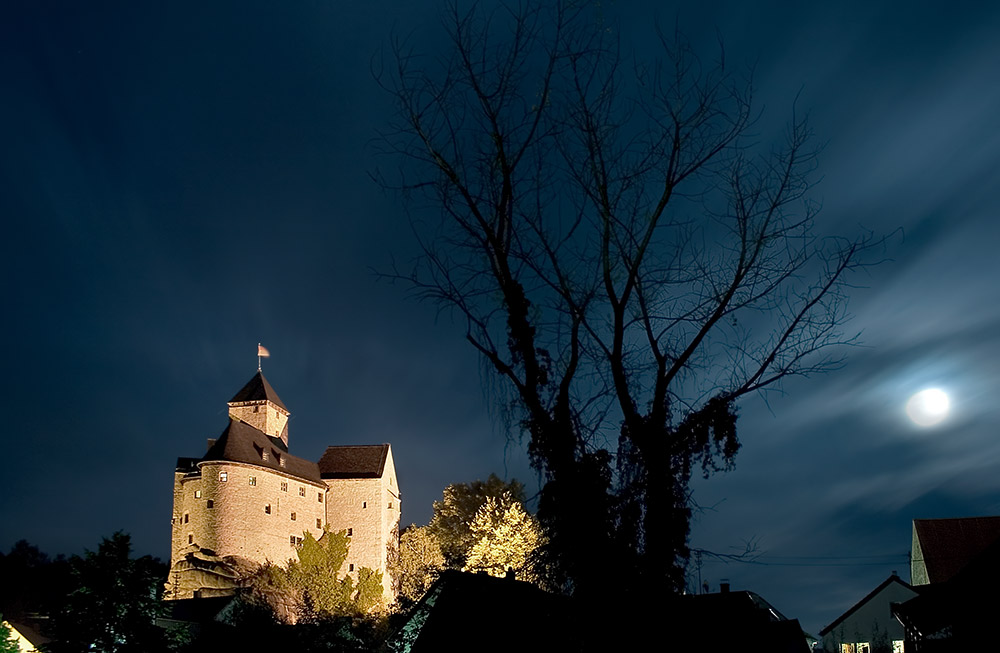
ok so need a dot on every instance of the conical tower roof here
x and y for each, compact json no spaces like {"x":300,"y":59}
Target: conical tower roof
{"x":258,"y":389}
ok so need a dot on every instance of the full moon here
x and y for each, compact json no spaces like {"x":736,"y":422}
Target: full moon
{"x":928,"y":407}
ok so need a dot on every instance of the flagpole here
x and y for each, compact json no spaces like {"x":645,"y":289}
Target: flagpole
{"x":258,"y":356}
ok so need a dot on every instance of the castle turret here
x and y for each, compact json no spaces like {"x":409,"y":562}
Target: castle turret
{"x":258,"y":405}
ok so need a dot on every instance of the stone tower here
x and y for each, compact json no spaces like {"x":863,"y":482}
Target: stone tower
{"x":258,"y":405}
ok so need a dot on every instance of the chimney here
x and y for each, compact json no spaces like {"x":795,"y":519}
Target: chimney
{"x":724,"y":586}
{"x":211,"y":443}
{"x":894,"y":573}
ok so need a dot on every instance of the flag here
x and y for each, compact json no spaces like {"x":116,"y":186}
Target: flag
{"x":262,"y":351}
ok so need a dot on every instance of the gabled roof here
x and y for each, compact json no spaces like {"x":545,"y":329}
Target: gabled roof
{"x":258,"y":389}
{"x":948,"y":545}
{"x":958,"y":609}
{"x":857,"y":606}
{"x":497,"y":614}
{"x":737,"y":616}
{"x":360,"y":461}
{"x":242,"y":443}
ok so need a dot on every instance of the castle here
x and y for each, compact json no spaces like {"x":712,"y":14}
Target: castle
{"x":248,"y":500}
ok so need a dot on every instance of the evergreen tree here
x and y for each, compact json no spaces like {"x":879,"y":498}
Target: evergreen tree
{"x":113,"y":602}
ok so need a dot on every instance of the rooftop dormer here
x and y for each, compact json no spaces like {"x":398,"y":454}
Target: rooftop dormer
{"x":258,"y":405}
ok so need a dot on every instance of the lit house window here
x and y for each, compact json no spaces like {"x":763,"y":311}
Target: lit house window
{"x":210,"y":504}
{"x":223,"y":476}
{"x":863,"y":647}
{"x":197,"y":494}
{"x":293,"y":516}
{"x":253,"y":480}
{"x":267,"y":509}
{"x":284,"y":486}
{"x":302,"y":491}
{"x":897,"y":646}
{"x":847,"y":648}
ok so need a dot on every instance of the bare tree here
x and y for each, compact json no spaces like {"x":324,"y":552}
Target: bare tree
{"x":624,"y":257}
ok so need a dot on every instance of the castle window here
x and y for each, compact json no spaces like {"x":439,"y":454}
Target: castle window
{"x":293,"y":516}
{"x":223,"y":476}
{"x":319,"y":523}
{"x":350,"y":567}
{"x":190,"y":539}
{"x":256,"y":408}
{"x":284,"y":486}
{"x":319,"y":497}
{"x":185,"y":518}
{"x":197,"y":494}
{"x":210,"y":504}
{"x":350,"y":532}
{"x":302,"y":491}
{"x":364,"y":504}
{"x":253,"y":480}
{"x":291,"y":540}
{"x":390,"y":505}
{"x":267,"y":509}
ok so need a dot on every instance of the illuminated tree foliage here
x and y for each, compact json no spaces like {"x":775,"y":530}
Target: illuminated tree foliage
{"x":8,"y":644}
{"x":419,"y":560}
{"x":453,"y":515}
{"x":312,"y":588}
{"x":623,"y":255}
{"x":506,"y":537}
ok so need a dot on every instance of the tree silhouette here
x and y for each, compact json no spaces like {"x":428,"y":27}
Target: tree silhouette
{"x":626,"y":261}
{"x":113,"y":602}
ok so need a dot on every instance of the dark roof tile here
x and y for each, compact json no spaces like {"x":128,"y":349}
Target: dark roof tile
{"x":242,"y":443}
{"x":360,"y":461}
{"x":948,"y":544}
{"x":258,"y":389}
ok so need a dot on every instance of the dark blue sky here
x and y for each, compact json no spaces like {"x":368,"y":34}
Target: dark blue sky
{"x":180,"y":182}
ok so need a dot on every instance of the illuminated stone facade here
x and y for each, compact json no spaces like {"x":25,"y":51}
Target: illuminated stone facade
{"x":248,"y":501}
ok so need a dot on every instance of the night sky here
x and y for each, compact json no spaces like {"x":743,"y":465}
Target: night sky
{"x":180,"y":182}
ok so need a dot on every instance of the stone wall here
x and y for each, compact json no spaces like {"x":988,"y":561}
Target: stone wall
{"x":251,"y":520}
{"x":263,"y":416}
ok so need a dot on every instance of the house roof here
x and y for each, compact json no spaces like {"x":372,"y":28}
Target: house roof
{"x":854,"y":608}
{"x":242,"y":443}
{"x":357,"y":461}
{"x":947,"y":545}
{"x":199,"y":610}
{"x":29,"y":632}
{"x":948,"y":609}
{"x":732,"y":617}
{"x":497,"y":614}
{"x":258,"y":389}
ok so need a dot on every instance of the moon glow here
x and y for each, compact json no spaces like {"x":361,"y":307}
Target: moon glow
{"x":928,"y":407}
